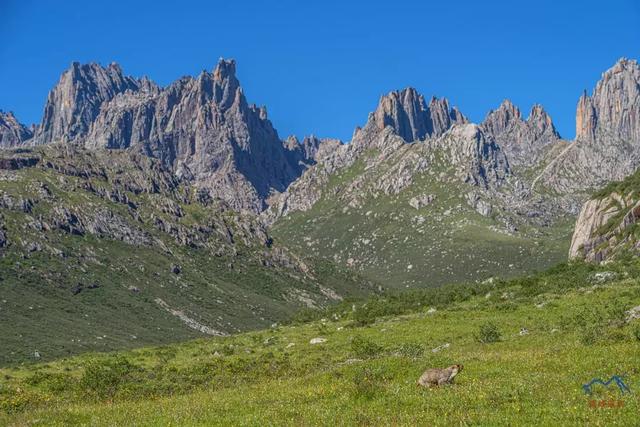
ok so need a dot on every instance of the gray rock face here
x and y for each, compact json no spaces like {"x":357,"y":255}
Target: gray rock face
{"x":607,"y":146}
{"x":523,"y":141}
{"x":76,"y":100}
{"x":481,"y":206}
{"x":315,"y":149}
{"x":613,"y":110}
{"x":202,"y":128}
{"x":12,"y":132}
{"x":594,"y":238}
{"x":310,"y":150}
{"x":421,"y":201}
{"x":474,"y":158}
{"x":412,"y":118}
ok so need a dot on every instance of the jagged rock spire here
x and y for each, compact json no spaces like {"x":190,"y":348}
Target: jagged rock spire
{"x":12,"y":132}
{"x":522,"y":140}
{"x":614,"y":108}
{"x":411,"y":118}
{"x":76,"y":99}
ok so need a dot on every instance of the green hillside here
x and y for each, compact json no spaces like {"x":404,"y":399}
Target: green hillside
{"x":106,"y":250}
{"x":385,"y":238}
{"x":528,"y":346}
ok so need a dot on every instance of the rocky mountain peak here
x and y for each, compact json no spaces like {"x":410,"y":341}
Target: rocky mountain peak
{"x":541,"y":121}
{"x":411,"y":118}
{"x":12,"y":132}
{"x":501,"y":119}
{"x":204,"y":129}
{"x":291,"y":142}
{"x":607,"y":146}
{"x":613,"y":110}
{"x":225,"y":70}
{"x":586,"y":119}
{"x":226,"y":89}
{"x":310,"y":150}
{"x":522,"y":140}
{"x":76,"y":99}
{"x":317,"y":148}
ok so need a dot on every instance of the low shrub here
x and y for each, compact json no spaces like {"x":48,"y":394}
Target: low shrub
{"x":52,"y":382}
{"x":590,"y":334}
{"x":636,"y":331}
{"x":368,"y":382}
{"x":410,"y":350}
{"x":488,"y":333}
{"x":364,"y":348}
{"x":102,"y":377}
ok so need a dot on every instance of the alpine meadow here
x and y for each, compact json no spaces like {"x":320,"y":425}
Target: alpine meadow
{"x":167,"y":257}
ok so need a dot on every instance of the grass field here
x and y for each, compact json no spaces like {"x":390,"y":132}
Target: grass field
{"x":365,"y":371}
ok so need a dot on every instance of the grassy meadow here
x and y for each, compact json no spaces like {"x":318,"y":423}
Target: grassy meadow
{"x":527,"y":345}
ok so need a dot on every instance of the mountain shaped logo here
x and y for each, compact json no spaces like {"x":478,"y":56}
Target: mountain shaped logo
{"x":624,"y":388}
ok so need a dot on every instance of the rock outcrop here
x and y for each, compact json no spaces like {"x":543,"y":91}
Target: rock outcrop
{"x":593,"y":216}
{"x":202,"y":128}
{"x":613,"y":110}
{"x":77,"y":98}
{"x":476,"y":156}
{"x":12,"y":132}
{"x":607,"y":145}
{"x":523,"y":141}
{"x":603,"y":229}
{"x":310,"y":150}
{"x":473,"y":158}
{"x":412,"y":118}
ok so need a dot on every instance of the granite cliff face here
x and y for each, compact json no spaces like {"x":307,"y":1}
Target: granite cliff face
{"x":607,"y":226}
{"x":613,"y":110}
{"x":412,"y":118}
{"x":202,"y":128}
{"x":523,"y":141}
{"x":77,"y":98}
{"x":607,"y":145}
{"x":12,"y":132}
{"x":587,"y":241}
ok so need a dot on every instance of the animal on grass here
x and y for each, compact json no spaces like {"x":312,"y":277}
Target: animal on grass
{"x":436,"y":376}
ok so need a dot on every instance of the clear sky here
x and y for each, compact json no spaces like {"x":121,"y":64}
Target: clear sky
{"x":321,"y":66}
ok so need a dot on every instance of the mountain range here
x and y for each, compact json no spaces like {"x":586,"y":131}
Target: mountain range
{"x":183,"y":208}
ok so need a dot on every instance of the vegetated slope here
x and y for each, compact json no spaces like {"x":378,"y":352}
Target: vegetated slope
{"x":423,"y":214}
{"x":607,"y":227}
{"x":101,"y":250}
{"x":527,"y":345}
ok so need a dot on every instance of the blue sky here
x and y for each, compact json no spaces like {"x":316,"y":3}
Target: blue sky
{"x":320,"y":67}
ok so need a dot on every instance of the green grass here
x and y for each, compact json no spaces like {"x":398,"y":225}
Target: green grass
{"x":365,"y":375}
{"x":629,"y":185}
{"x":388,"y":241}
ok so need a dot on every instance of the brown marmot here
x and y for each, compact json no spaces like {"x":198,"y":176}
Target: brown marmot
{"x":437,"y":377}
